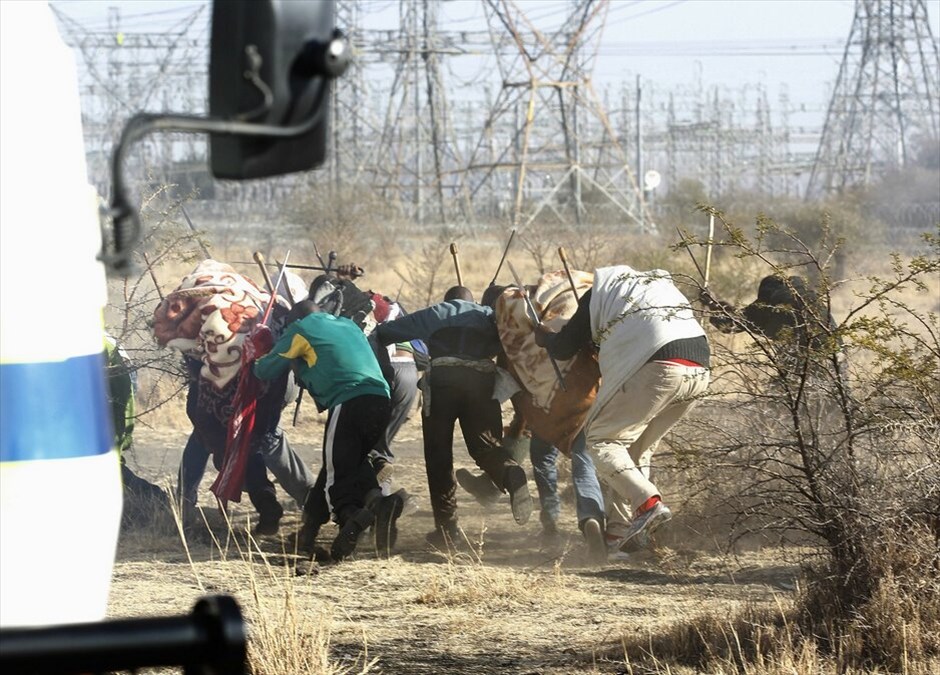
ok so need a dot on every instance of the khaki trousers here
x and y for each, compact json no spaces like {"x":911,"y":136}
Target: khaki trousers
{"x":623,"y":435}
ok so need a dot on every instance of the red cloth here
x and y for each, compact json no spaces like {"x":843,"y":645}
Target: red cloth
{"x":228,"y":484}
{"x":381,"y":309}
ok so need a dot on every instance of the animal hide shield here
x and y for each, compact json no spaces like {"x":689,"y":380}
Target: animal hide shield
{"x":552,"y":414}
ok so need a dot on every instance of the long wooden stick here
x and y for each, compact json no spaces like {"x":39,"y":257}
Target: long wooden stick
{"x":708,"y":251}
{"x":453,"y":252}
{"x":505,"y":253}
{"x":564,"y":261}
{"x":259,"y":258}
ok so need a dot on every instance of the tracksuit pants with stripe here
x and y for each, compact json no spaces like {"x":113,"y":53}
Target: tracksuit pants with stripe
{"x":346,"y":475}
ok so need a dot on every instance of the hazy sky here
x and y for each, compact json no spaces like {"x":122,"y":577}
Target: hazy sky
{"x":668,"y":43}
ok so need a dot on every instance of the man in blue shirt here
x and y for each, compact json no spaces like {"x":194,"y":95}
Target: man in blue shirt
{"x":462,"y":341}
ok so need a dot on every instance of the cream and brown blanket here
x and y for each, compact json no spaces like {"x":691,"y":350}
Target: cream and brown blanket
{"x":551,"y":413}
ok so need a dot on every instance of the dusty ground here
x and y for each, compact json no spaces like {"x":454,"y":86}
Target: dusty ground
{"x":505,"y":607}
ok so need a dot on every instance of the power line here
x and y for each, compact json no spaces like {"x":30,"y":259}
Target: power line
{"x":397,"y":130}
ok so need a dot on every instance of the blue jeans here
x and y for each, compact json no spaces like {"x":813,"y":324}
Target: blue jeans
{"x":589,"y":501}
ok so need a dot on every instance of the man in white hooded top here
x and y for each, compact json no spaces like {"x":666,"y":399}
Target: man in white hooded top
{"x":654,"y":360}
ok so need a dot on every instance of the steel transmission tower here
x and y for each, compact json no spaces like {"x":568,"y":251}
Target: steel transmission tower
{"x":563,"y":144}
{"x":413,"y":147}
{"x":124,"y":71}
{"x":348,"y":97}
{"x":885,"y":100}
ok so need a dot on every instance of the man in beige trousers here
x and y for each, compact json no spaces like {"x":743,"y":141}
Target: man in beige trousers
{"x":654,"y":360}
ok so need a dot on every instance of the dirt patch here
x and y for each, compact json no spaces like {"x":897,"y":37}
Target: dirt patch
{"x":504,"y":606}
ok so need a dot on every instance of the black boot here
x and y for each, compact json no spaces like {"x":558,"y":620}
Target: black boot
{"x":387,"y":511}
{"x":355,"y":522}
{"x":514,"y":480}
{"x":269,"y":521}
{"x":269,"y":510}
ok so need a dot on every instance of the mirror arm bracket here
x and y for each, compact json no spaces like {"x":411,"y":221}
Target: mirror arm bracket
{"x":124,"y":216}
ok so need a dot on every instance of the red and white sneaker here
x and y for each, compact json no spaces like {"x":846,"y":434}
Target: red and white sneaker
{"x":638,"y":535}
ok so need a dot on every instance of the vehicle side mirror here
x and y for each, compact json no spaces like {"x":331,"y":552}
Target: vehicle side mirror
{"x":271,"y":63}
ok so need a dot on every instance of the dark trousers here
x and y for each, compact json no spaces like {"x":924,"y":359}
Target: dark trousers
{"x":352,"y":430}
{"x":208,"y":439}
{"x":260,"y":489}
{"x":461,"y":395}
{"x":404,"y":386}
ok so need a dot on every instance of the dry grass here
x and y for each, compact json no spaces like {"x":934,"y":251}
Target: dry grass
{"x":501,"y":606}
{"x":286,"y":637}
{"x":763,"y":641}
{"x":466,"y":582}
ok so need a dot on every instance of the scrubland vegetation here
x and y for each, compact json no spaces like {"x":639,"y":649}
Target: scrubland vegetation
{"x":824,"y":478}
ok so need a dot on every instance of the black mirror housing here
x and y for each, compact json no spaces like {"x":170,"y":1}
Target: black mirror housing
{"x":271,"y":63}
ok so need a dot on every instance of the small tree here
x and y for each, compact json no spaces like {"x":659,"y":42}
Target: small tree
{"x":167,"y":242}
{"x":830,"y":430}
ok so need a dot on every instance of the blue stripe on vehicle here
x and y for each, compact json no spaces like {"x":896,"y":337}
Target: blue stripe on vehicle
{"x":54,"y":410}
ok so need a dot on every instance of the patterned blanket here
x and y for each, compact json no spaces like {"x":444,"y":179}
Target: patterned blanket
{"x":551,"y":413}
{"x":208,"y":316}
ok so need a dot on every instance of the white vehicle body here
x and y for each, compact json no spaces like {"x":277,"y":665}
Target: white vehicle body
{"x":60,"y":484}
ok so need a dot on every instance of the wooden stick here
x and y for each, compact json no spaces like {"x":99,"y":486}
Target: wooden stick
{"x":692,"y":255}
{"x":708,"y":251}
{"x":453,"y":252}
{"x":564,"y":261}
{"x":264,"y":271}
{"x":503,"y":259}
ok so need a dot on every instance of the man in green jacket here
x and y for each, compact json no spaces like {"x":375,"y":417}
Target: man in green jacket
{"x":335,"y":363}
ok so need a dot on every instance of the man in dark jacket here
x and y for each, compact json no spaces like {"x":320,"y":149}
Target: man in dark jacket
{"x":786,"y":312}
{"x":462,"y":341}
